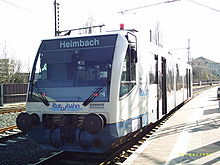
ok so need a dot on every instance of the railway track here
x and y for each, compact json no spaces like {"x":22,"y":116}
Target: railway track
{"x":117,"y":156}
{"x":128,"y":148}
{"x":8,"y":133}
{"x":7,"y":129}
{"x":122,"y":152}
{"x":12,"y":109}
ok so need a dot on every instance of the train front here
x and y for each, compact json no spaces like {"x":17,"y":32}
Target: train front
{"x":69,"y":94}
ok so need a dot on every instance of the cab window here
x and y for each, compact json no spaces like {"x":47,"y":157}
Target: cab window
{"x":128,"y":76}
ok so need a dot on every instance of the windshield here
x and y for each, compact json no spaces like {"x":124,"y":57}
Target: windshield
{"x":74,"y":69}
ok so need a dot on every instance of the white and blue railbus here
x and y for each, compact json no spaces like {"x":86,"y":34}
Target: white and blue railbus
{"x":89,"y":93}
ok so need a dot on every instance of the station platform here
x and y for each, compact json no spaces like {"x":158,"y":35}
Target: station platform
{"x":190,"y":136}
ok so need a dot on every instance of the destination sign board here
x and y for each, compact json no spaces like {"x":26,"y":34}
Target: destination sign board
{"x":79,"y":42}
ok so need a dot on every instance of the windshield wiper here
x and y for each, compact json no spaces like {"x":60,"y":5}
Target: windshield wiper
{"x":41,"y":95}
{"x":95,"y":93}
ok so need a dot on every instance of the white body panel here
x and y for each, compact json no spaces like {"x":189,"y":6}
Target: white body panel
{"x":132,"y":104}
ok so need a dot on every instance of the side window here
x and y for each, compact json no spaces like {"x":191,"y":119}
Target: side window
{"x":170,"y":79}
{"x":128,"y":76}
{"x":153,"y":72}
{"x":177,"y":77}
{"x":41,"y":69}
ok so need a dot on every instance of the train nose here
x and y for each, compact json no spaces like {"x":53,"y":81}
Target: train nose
{"x":25,"y":121}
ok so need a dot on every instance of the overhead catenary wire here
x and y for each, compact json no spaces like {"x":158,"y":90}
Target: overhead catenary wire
{"x":170,"y":1}
{"x":150,"y":5}
{"x":17,"y":6}
{"x":208,"y":7}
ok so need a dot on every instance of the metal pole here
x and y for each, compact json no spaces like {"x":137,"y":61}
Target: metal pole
{"x":1,"y":95}
{"x":55,"y":16}
{"x":150,"y":35}
{"x":188,"y":48}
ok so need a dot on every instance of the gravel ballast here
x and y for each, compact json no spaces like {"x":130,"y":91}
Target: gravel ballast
{"x":20,"y":150}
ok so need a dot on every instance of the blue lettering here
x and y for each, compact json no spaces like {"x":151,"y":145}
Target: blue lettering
{"x":62,"y":44}
{"x":54,"y":105}
{"x":68,"y":44}
{"x":75,"y":44}
{"x":77,"y":106}
{"x":82,"y":43}
{"x":65,"y":107}
{"x":96,"y":42}
{"x":79,"y":43}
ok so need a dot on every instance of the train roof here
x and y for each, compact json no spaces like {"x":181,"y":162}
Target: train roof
{"x":113,"y":32}
{"x":151,"y":46}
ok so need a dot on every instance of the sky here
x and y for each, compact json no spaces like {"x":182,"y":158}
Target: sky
{"x":24,"y":23}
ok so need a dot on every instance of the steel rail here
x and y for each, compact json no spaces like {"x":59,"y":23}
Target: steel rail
{"x":12,"y":109}
{"x":8,"y":128}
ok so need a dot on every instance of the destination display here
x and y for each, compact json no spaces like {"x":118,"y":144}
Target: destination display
{"x":78,"y":42}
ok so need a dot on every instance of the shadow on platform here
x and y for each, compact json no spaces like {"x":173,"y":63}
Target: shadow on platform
{"x":199,"y":125}
{"x":193,"y":155}
{"x":211,"y":111}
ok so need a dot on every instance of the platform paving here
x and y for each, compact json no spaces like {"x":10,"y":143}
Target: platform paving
{"x":190,"y":136}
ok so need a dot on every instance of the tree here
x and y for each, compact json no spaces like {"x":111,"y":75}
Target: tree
{"x":10,"y":69}
{"x":89,"y":22}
